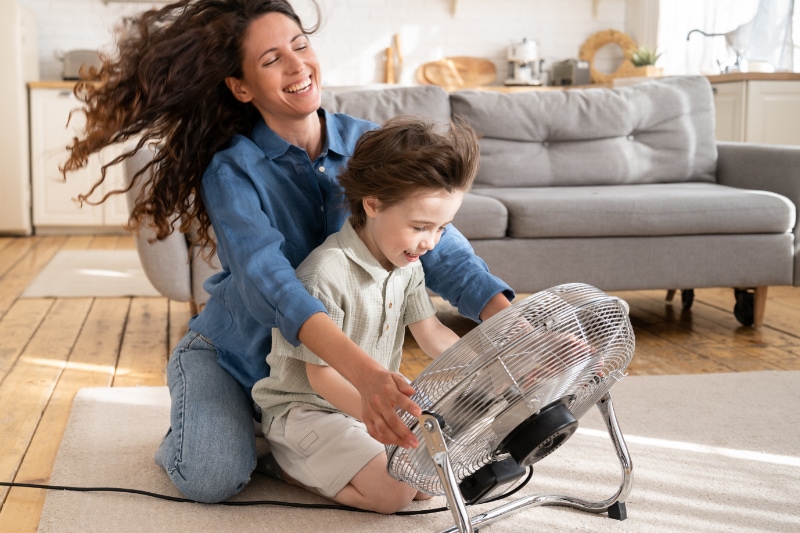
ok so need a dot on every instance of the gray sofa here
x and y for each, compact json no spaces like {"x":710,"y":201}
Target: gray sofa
{"x":624,"y":189}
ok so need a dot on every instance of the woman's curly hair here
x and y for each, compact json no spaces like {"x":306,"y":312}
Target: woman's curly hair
{"x":166,"y":86}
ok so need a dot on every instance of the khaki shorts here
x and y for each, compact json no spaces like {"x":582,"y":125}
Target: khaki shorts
{"x":321,"y":449}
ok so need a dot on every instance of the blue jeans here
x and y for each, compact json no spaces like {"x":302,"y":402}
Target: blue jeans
{"x":209,"y":451}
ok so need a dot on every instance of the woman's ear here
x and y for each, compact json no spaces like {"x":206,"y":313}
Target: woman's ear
{"x":238,"y":89}
{"x":371,"y":206}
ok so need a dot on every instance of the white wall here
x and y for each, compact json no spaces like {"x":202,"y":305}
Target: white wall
{"x":355,"y":33}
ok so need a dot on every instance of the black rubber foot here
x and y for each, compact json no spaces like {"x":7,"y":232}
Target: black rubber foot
{"x":744,"y":310}
{"x":687,"y":298}
{"x":618,"y":511}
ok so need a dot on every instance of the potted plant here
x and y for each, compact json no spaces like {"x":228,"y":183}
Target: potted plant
{"x":644,"y":60}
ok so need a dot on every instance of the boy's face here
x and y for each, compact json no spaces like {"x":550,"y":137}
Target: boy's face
{"x":399,"y":234}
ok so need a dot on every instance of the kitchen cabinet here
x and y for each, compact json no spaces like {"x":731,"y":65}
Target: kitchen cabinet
{"x":55,"y":208}
{"x":757,"y":107}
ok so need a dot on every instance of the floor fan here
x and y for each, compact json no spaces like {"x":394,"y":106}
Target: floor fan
{"x":509,"y":393}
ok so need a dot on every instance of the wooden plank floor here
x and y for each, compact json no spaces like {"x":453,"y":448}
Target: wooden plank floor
{"x":50,"y":348}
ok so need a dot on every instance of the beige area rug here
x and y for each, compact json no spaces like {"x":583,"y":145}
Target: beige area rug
{"x":91,"y":273}
{"x":711,"y":453}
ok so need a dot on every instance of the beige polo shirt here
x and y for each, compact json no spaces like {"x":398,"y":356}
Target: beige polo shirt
{"x":371,"y":305}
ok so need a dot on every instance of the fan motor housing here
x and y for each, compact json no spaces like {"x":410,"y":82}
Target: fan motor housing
{"x":541,"y":434}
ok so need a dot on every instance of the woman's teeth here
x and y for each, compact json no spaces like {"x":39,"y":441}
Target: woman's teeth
{"x":299,"y":87}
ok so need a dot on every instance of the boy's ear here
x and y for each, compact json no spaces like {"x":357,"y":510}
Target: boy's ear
{"x":238,"y":89}
{"x":371,"y":206}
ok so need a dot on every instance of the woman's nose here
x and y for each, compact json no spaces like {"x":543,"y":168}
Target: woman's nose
{"x":294,"y":63}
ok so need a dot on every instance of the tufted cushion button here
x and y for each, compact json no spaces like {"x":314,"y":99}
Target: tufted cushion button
{"x":630,"y":137}
{"x":545,"y":144}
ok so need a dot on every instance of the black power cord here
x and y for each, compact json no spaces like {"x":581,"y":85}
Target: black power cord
{"x":277,"y":503}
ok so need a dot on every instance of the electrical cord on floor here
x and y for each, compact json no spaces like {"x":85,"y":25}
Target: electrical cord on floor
{"x":254,"y":502}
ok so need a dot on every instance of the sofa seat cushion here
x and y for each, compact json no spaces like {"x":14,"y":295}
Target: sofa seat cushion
{"x":655,"y":132}
{"x":482,"y":217}
{"x":641,"y":210}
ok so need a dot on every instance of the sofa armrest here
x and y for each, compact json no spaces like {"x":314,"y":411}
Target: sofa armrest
{"x":166,"y":262}
{"x":765,"y":167}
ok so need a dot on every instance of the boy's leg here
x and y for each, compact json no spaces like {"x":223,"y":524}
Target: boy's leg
{"x":374,"y":489}
{"x":209,"y":451}
{"x":332,"y":455}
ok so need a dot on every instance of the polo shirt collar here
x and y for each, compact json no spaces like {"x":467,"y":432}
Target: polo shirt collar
{"x":275,"y":146}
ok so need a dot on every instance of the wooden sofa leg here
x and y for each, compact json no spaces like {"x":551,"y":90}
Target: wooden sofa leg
{"x":670,"y":295}
{"x":759,"y":305}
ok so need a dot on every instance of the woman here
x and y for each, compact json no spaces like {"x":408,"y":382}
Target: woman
{"x":230,"y":89}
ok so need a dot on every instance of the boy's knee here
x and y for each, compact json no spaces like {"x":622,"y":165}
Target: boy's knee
{"x":392,"y":501}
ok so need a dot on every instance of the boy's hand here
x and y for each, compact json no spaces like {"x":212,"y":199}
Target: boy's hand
{"x":380,"y":395}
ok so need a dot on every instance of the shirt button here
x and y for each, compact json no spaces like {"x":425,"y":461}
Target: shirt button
{"x":390,"y":305}
{"x":322,"y":208}
{"x":322,"y":169}
{"x":387,"y":327}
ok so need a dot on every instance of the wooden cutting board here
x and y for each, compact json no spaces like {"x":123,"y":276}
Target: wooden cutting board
{"x":460,"y":72}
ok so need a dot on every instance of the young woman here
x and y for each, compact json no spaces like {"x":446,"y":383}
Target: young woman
{"x":230,"y":90}
{"x":404,"y":184}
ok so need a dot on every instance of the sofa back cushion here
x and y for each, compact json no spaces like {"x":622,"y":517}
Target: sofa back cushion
{"x":379,"y":105}
{"x":661,"y":131}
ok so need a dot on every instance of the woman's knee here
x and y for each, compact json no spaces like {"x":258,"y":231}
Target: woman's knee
{"x":211,"y":479}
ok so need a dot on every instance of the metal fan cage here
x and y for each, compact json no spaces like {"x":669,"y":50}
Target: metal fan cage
{"x":569,"y":343}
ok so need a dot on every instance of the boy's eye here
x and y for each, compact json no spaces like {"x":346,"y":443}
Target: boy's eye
{"x":422,"y":228}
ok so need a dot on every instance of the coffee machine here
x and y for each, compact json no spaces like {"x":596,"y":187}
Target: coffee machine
{"x":524,"y":65}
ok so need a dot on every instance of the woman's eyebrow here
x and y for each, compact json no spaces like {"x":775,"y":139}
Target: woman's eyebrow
{"x":274,"y":48}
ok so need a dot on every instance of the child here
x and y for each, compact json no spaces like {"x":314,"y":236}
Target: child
{"x":403,"y":184}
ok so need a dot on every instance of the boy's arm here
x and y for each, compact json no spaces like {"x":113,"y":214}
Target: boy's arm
{"x":433,"y":336}
{"x":336,"y":390}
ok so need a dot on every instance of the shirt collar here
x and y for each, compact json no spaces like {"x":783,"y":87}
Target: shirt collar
{"x":274,"y":145}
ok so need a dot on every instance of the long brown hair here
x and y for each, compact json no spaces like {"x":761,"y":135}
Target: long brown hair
{"x":407,"y":154}
{"x":166,"y":86}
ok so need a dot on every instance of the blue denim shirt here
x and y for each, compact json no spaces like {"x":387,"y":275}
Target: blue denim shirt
{"x":270,"y":205}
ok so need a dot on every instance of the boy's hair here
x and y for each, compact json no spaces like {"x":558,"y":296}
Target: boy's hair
{"x":406,"y":155}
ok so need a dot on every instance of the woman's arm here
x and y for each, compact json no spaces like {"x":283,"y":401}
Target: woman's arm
{"x":433,"y":336}
{"x":496,"y":304}
{"x":381,"y":391}
{"x":453,"y":271}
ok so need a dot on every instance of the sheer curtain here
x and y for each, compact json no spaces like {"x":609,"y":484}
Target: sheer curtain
{"x":760,"y":29}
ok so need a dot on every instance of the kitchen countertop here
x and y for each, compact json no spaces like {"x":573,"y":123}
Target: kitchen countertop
{"x":715,"y":78}
{"x":752,"y":76}
{"x":51,"y":84}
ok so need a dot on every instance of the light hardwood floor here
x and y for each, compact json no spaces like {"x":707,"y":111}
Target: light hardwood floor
{"x":50,"y":348}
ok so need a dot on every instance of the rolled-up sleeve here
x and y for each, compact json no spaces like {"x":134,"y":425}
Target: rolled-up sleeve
{"x":454,"y":272}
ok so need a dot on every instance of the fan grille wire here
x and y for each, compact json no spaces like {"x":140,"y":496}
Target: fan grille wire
{"x":569,"y":342}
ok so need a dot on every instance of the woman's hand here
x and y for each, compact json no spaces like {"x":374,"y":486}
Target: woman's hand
{"x":381,"y":391}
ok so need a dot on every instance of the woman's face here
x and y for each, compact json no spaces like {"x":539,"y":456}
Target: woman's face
{"x":281,"y":74}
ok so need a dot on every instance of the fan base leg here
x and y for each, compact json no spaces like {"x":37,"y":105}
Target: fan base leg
{"x":618,"y":511}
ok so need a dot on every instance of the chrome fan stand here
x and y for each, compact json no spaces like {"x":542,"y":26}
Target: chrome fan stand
{"x":614,"y":506}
